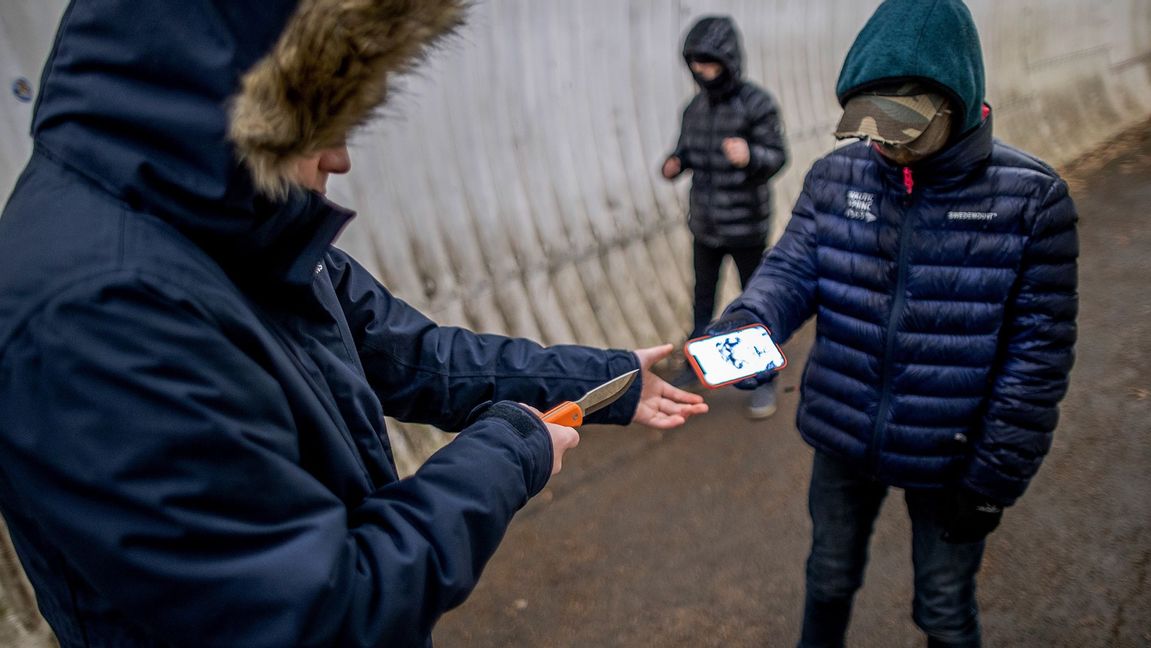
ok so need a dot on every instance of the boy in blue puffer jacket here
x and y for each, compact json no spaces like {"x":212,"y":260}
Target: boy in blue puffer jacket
{"x":941,"y":267}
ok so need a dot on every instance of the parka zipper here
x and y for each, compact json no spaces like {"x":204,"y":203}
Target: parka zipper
{"x":897,"y":306}
{"x":325,"y":398}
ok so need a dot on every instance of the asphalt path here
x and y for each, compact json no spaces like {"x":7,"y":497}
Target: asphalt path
{"x":697,"y":537}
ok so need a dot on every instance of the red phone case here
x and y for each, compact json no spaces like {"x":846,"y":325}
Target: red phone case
{"x":699,"y":372}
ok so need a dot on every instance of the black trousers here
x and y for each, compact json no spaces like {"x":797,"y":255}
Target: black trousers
{"x":707,"y":261}
{"x":844,"y":503}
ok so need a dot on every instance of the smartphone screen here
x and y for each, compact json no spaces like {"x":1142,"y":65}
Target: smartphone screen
{"x":730,"y":357}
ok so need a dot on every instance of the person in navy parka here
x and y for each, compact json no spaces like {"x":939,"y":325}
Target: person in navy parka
{"x":940,"y":265}
{"x":193,"y":380}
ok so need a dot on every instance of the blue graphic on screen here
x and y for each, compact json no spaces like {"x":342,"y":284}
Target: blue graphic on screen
{"x":735,"y":355}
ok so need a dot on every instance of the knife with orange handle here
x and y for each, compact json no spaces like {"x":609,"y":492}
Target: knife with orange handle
{"x":572,"y":413}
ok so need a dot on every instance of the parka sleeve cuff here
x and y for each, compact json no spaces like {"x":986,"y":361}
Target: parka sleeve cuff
{"x":536,"y":442}
{"x":623,"y":410}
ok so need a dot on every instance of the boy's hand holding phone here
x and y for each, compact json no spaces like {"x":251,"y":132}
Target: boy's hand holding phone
{"x":737,"y":349}
{"x":731,"y":321}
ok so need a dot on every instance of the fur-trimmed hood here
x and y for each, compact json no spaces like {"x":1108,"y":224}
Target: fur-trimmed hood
{"x":326,"y":75}
{"x":191,"y":111}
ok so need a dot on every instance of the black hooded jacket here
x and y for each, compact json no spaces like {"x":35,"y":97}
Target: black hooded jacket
{"x":729,"y":206}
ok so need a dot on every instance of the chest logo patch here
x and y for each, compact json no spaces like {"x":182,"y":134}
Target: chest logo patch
{"x":971,"y":216}
{"x":859,"y":205}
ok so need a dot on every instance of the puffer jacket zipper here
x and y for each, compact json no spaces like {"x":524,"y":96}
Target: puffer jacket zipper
{"x":712,"y":172}
{"x":906,"y":227}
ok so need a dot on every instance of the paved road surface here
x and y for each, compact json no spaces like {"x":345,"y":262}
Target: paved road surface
{"x":697,"y":537}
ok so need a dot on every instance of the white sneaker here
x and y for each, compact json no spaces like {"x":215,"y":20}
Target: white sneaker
{"x":761,"y":403}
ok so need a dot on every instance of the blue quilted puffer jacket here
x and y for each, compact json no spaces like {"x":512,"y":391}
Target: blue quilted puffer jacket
{"x":945,"y":303}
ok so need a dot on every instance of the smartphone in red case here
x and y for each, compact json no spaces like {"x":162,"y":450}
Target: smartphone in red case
{"x":727,"y":358}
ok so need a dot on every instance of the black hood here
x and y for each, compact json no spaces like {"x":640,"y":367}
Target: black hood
{"x":717,"y":38}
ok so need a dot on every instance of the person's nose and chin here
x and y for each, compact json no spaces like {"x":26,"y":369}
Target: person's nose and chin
{"x":335,"y":160}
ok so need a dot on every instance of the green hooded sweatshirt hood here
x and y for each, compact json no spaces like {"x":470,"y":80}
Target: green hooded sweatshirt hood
{"x":934,"y":41}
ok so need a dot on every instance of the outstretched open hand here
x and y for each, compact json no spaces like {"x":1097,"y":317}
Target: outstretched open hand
{"x":662,"y":406}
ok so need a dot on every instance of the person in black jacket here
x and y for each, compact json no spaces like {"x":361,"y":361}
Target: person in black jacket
{"x":194,"y":380}
{"x":732,"y":141}
{"x":940,"y":265}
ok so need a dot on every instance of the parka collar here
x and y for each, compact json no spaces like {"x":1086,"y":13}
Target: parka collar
{"x":951,"y":166}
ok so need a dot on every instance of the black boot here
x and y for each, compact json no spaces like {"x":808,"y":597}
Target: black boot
{"x":938,"y":643}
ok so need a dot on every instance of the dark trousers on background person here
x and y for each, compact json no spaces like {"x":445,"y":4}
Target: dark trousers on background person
{"x":844,"y":504}
{"x":707,"y":261}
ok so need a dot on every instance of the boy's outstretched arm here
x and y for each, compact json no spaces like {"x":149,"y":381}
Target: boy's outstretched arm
{"x":781,"y":293}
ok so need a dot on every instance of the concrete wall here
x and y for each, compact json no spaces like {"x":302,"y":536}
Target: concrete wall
{"x":513,"y":186}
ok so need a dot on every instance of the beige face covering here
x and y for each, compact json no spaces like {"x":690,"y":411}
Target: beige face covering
{"x":908,"y":120}
{"x":930,"y":142}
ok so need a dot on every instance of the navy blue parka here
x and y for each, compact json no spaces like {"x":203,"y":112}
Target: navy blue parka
{"x":193,"y":381}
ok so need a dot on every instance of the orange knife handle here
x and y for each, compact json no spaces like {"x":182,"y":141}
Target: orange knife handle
{"x":567,"y":413}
